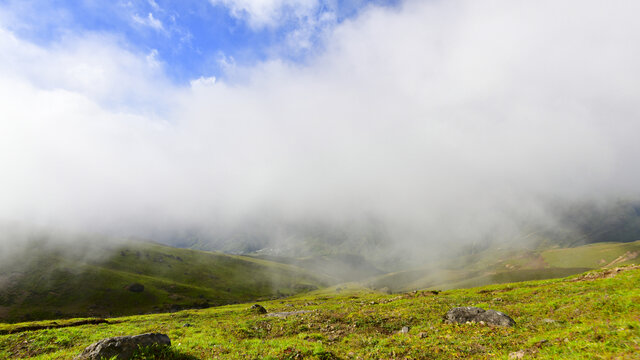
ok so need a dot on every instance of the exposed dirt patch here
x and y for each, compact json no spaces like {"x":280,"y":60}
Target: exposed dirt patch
{"x":604,"y":274}
{"x":284,"y":314}
{"x":24,"y":349}
{"x":624,"y":257}
{"x":491,"y":291}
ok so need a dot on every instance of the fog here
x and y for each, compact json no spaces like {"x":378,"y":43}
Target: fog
{"x":448,"y":122}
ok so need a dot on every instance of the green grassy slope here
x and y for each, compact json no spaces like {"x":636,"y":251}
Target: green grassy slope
{"x":496,"y":266}
{"x":338,"y":267}
{"x":55,"y":284}
{"x":593,"y":255}
{"x":594,"y":316}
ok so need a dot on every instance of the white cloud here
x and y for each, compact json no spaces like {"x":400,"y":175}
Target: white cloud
{"x":93,"y":66}
{"x":154,"y":5}
{"x":448,"y":120}
{"x":203,"y":82}
{"x":149,"y":21}
{"x":269,"y":13}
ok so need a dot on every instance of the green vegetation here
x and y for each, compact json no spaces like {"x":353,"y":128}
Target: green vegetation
{"x":593,"y":255}
{"x":338,"y":267}
{"x":596,"y":315}
{"x":495,"y":266}
{"x":55,"y":283}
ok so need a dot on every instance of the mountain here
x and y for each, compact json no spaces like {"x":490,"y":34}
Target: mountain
{"x":591,"y":222}
{"x":563,"y":223}
{"x":46,"y":282}
{"x":269,"y":235}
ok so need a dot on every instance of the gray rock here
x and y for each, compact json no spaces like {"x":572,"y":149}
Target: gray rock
{"x":404,"y":330}
{"x":122,"y":347}
{"x":473,"y":314}
{"x":493,"y":317}
{"x":462,"y":314}
{"x":257,"y":308}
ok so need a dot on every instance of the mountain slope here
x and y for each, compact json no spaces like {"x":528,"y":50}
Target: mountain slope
{"x":338,"y":267}
{"x":105,"y":281}
{"x":588,"y":316}
{"x":507,"y":265}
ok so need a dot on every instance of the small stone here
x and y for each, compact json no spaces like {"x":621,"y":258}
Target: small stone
{"x":422,"y":335}
{"x":517,"y":355}
{"x":186,"y":325}
{"x":548,"y":321}
{"x":541,"y":343}
{"x":404,"y":330}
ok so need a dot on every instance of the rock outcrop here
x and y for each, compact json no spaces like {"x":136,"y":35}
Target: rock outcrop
{"x":122,"y":347}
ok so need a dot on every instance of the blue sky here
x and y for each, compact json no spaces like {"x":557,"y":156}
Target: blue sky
{"x":192,"y":38}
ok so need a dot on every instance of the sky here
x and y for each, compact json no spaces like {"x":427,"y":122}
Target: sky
{"x":190,"y":38}
{"x":447,"y":120}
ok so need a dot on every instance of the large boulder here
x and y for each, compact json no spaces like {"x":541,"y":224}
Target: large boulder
{"x":474,"y":314}
{"x":122,"y":347}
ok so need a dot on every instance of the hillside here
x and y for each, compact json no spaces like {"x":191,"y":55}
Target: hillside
{"x":595,"y":315}
{"x":494,"y":266}
{"x":101,"y":280}
{"x":338,"y":267}
{"x":48,"y":283}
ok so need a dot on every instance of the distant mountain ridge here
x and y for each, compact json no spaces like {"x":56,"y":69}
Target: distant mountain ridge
{"x":571,"y":224}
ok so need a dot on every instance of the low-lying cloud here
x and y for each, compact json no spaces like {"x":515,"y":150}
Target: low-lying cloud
{"x":449,"y":121}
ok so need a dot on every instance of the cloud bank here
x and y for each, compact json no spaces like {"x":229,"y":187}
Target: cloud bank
{"x":449,"y":121}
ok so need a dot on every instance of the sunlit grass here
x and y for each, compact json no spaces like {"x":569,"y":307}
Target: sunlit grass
{"x":555,"y":319}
